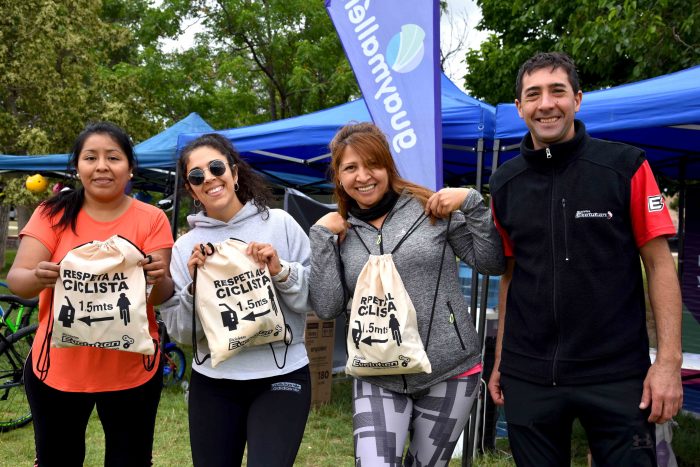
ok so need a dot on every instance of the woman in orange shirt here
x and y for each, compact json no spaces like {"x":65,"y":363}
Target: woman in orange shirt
{"x":122,"y":388}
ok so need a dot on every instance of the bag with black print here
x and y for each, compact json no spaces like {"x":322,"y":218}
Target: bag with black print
{"x":383,"y":337}
{"x":100,"y":301}
{"x":236,"y":303}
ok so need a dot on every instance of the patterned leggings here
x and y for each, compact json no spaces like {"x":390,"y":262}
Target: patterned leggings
{"x":382,"y":419}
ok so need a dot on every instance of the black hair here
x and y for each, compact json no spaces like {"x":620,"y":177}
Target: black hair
{"x":551,"y":60}
{"x":251,"y":186}
{"x":70,"y":202}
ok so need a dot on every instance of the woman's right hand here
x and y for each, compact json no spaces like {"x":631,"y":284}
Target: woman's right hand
{"x":335,"y":223}
{"x":197,"y":258}
{"x":47,"y":273}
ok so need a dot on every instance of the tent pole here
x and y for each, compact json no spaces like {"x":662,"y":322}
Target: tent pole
{"x":176,"y":202}
{"x":468,"y":448}
{"x":681,"y":217}
{"x":494,"y":161}
{"x":479,"y":163}
{"x":476,"y":424}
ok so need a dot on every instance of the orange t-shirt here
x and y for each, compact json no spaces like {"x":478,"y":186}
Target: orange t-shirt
{"x":88,"y":369}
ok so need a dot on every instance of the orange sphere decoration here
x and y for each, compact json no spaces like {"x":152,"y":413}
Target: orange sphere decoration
{"x":36,"y":183}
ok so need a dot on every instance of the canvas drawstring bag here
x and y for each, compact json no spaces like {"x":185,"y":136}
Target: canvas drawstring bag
{"x":236,"y":303}
{"x":99,"y":300}
{"x":383,"y":337}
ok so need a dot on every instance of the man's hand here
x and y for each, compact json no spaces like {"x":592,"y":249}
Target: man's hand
{"x":663,"y":390}
{"x":495,"y":387}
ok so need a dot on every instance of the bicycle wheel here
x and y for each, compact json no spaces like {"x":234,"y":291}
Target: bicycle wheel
{"x":14,"y":407}
{"x":174,"y":367}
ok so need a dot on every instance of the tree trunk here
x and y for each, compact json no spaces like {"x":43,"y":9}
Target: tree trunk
{"x":23,"y":215}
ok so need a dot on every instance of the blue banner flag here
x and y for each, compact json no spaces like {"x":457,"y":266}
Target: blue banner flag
{"x":393,"y":47}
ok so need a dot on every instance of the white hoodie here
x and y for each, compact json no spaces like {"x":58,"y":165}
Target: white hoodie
{"x":280,"y":230}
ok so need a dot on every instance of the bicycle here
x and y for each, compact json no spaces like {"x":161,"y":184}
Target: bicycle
{"x":16,"y":338}
{"x":175,"y":364}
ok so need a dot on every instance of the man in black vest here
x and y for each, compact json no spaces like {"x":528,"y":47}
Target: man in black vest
{"x":576,"y":214}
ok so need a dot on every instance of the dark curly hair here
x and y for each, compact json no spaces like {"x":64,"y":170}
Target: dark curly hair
{"x":551,"y":60}
{"x":251,"y":186}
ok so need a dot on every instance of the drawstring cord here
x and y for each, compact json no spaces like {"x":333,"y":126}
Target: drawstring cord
{"x":437,"y":286}
{"x":43,"y":361}
{"x":194,"y":300}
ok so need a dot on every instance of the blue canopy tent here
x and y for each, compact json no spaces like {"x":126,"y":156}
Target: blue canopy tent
{"x":156,"y":158}
{"x":160,"y":151}
{"x":157,"y":152}
{"x":295,"y":151}
{"x":660,"y":115}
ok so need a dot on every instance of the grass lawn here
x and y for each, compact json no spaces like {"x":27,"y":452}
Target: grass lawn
{"x":327,"y":440}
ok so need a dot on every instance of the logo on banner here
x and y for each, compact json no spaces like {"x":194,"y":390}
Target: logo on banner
{"x":404,"y":53}
{"x":392,"y":47}
{"x":406,"y":49}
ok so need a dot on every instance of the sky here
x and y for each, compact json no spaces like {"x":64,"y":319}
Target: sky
{"x":464,"y":15}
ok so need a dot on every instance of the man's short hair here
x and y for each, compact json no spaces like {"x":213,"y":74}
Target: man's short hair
{"x":552,"y":60}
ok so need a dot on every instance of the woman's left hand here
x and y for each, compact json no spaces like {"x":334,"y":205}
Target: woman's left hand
{"x":155,"y":267}
{"x":265,"y":254}
{"x":442,"y":203}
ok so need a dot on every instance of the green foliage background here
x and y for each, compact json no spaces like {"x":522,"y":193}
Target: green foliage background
{"x":15,"y":192}
{"x":64,"y":63}
{"x":612,"y":41}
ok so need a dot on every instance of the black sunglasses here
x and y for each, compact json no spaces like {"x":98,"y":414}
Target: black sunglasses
{"x":217,"y":168}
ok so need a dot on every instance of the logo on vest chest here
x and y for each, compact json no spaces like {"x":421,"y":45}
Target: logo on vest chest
{"x":588,"y":214}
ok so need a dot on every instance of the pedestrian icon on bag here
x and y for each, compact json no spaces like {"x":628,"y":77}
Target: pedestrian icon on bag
{"x":395,"y":326}
{"x":67,"y":314}
{"x":123,"y":304}
{"x":357,"y":334}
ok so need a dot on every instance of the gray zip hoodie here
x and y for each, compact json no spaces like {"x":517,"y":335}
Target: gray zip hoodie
{"x":280,"y":230}
{"x":453,"y":346}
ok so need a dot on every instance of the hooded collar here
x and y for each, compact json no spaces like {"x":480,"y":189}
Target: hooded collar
{"x":201,"y":219}
{"x":558,"y":154}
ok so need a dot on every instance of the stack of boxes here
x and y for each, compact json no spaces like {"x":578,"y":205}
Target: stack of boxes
{"x":319,"y":340}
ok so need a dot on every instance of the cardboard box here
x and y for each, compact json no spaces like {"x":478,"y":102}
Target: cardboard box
{"x":319,"y":338}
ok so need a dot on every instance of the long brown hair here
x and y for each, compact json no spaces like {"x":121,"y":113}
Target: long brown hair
{"x":371,"y":145}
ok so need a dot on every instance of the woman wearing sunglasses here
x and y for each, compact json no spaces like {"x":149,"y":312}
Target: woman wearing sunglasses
{"x":246,"y":399}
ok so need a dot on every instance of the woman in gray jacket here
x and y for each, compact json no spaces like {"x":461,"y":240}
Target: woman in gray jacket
{"x":247,"y":399}
{"x":376,"y":209}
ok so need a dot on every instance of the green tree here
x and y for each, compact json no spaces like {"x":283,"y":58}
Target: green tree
{"x":260,"y":60}
{"x":58,"y":63}
{"x":613,"y":42}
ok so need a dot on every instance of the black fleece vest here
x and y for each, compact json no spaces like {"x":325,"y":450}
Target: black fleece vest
{"x":575,"y":310}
